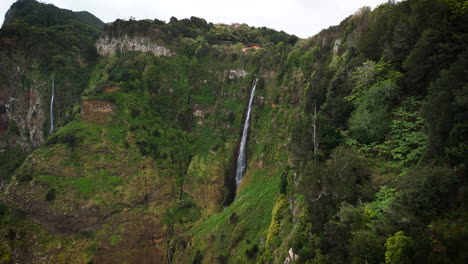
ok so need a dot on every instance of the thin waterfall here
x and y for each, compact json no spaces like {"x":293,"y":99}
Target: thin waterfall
{"x":52,"y":107}
{"x":241,"y":160}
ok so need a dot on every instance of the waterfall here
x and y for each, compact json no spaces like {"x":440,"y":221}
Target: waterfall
{"x":241,"y":160}
{"x":52,"y":107}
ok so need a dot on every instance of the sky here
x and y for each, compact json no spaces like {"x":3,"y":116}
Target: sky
{"x":303,"y":18}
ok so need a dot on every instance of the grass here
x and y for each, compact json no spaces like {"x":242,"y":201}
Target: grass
{"x":252,"y":207}
{"x":100,"y":182}
{"x":205,"y":97}
{"x":115,"y":239}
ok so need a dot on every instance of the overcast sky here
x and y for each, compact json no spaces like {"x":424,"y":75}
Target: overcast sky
{"x":303,"y":18}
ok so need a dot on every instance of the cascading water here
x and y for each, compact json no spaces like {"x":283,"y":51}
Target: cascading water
{"x":52,"y":107}
{"x":241,"y":159}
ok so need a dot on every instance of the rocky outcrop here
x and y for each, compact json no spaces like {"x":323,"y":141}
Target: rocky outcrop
{"x":337,"y":45}
{"x":23,"y":105}
{"x":200,"y":112}
{"x":235,"y":73}
{"x":291,"y":257}
{"x":108,"y":46}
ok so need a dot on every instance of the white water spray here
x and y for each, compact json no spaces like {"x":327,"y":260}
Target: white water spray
{"x":52,"y":107}
{"x":241,"y":160}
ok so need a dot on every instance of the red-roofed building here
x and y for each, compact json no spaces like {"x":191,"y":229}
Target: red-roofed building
{"x":255,"y":47}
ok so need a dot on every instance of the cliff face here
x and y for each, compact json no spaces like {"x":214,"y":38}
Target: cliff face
{"x":108,"y":46}
{"x":22,"y":96}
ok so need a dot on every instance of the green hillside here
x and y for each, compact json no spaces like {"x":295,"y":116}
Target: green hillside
{"x":357,"y":149}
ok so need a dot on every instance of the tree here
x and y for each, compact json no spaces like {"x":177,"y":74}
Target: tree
{"x":446,"y":111}
{"x":457,"y":7}
{"x":398,"y":249}
{"x":371,"y":120}
{"x":315,"y":139}
{"x":151,"y":78}
{"x":424,"y":192}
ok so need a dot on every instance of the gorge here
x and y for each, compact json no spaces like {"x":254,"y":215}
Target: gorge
{"x":188,"y":141}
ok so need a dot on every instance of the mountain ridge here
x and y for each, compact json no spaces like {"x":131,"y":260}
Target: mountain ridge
{"x":29,"y":10}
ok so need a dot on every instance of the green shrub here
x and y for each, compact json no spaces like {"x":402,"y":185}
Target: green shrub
{"x":50,"y":196}
{"x":371,"y":120}
{"x":10,"y":160}
{"x":252,"y":251}
{"x":426,"y":191}
{"x":115,"y":239}
{"x":25,"y":178}
{"x":398,"y":249}
{"x":198,"y":258}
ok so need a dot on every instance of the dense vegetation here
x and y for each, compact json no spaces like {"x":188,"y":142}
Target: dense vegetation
{"x":198,"y":29}
{"x":357,"y":150}
{"x":386,"y":177}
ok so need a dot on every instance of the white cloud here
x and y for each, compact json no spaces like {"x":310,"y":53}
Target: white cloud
{"x":303,"y":18}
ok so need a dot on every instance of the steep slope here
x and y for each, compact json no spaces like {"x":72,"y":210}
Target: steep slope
{"x":134,"y":158}
{"x":365,"y":173}
{"x":357,"y":147}
{"x":39,"y":43}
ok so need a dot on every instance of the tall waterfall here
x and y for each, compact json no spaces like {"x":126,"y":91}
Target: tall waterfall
{"x":52,"y":107}
{"x":241,"y":160}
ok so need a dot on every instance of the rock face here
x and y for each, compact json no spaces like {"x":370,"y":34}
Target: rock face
{"x":199,"y":112}
{"x":291,"y":257}
{"x":108,"y":46}
{"x":23,"y":106}
{"x":236,"y":73}
{"x":336,"y":46}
